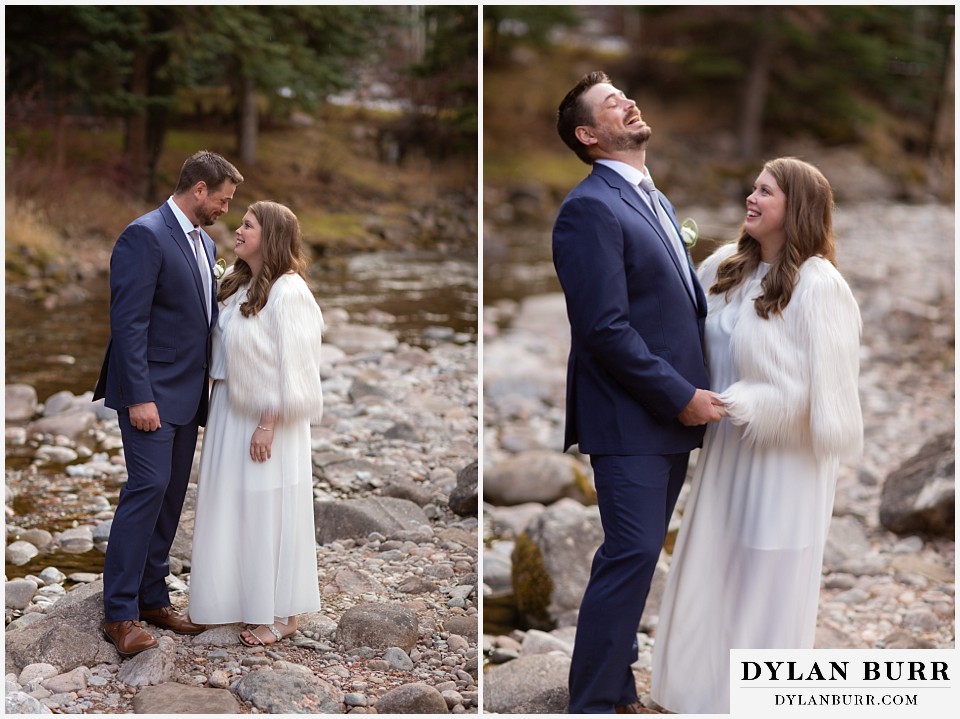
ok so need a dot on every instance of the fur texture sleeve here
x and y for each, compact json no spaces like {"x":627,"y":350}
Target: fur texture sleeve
{"x":831,"y":325}
{"x":273,"y":358}
{"x":771,"y":399}
{"x":300,"y":328}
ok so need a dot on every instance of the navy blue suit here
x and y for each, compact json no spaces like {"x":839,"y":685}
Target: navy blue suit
{"x":636,"y":359}
{"x":158,"y":352}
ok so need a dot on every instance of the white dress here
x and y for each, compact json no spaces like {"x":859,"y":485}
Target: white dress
{"x":254,"y":545}
{"x":745,"y":571}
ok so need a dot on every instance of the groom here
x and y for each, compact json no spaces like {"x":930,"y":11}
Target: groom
{"x":636,"y":366}
{"x":162,"y":306}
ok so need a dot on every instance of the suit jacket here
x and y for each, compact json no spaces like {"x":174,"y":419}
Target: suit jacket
{"x":159,"y":344}
{"x":798,"y":371}
{"x":636,"y":354}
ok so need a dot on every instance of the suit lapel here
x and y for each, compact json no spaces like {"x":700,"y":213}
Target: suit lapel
{"x":630,"y":195}
{"x":183,"y":242}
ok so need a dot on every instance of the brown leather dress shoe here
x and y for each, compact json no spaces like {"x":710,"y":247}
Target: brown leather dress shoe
{"x":128,"y":637}
{"x":170,"y":618}
{"x":634,"y":708}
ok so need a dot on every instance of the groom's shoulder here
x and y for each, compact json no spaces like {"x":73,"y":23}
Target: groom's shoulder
{"x":152,"y":221}
{"x":593,"y":186}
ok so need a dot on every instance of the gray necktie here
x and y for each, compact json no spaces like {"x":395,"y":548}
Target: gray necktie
{"x":204,"y":269}
{"x":646,"y":184}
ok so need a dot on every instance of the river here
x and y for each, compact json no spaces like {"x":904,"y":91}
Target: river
{"x":417,"y":292}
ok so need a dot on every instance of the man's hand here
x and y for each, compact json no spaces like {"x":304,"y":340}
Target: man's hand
{"x":145,"y":417}
{"x":703,"y":408}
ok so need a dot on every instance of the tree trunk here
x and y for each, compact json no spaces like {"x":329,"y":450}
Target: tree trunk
{"x":418,"y":33}
{"x":248,"y":122}
{"x":60,"y":123}
{"x":755,"y":90}
{"x":942,"y":141}
{"x":943,"y":121}
{"x":135,"y":126}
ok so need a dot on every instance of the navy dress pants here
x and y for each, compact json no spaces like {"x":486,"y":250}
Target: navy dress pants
{"x":148,"y":513}
{"x":636,"y":496}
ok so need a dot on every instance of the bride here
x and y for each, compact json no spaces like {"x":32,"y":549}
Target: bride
{"x":254,"y":546}
{"x":782,"y":343}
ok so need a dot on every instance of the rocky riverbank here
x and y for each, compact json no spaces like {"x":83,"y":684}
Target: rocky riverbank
{"x":890,"y":560}
{"x":395,"y":488}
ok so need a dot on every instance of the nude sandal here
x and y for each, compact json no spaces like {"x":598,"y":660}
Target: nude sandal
{"x":272,"y":628}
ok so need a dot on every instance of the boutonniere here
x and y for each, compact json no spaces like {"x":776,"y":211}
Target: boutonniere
{"x":219,"y":268}
{"x":689,"y":232}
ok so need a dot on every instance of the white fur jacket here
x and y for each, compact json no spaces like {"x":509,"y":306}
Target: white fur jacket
{"x":798,"y":372}
{"x":273,"y":357}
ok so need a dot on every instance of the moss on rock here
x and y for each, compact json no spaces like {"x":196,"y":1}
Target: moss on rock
{"x":532,"y":585}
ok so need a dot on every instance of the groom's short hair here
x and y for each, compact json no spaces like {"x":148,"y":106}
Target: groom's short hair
{"x":211,"y":168}
{"x":573,"y":113}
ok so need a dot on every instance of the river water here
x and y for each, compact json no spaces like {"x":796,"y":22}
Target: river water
{"x":423,"y":298}
{"x":423,"y":295}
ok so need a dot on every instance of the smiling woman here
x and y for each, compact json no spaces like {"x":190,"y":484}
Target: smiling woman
{"x":782,"y":339}
{"x":766,"y":207}
{"x":253,"y":551}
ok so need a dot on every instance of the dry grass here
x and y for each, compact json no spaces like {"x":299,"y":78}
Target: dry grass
{"x":30,"y":239}
{"x":328,"y":172}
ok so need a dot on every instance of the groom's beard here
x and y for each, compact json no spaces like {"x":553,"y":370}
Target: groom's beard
{"x":630,"y":139}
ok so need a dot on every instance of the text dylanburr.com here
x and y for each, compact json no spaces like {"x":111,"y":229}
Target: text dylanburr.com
{"x":844,"y":682}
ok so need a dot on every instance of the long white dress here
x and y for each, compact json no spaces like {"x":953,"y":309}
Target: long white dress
{"x":745,"y":571}
{"x":254,"y":545}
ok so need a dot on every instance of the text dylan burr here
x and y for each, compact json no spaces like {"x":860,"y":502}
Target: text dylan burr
{"x":840,"y":671}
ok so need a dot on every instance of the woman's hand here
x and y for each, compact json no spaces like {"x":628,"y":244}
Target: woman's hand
{"x":261,"y":443}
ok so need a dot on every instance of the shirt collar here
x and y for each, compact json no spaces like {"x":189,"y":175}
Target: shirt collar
{"x":631,"y":174}
{"x":185,"y":224}
{"x":628,"y":172}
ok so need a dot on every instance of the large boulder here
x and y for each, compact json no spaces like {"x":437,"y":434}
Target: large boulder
{"x":463,"y":625}
{"x":919,"y":497}
{"x":463,"y":499}
{"x":508,"y":522}
{"x":535,"y":684}
{"x":357,"y":518}
{"x":68,"y":637}
{"x":152,"y":667}
{"x":537,"y":476}
{"x":378,"y":626}
{"x":551,"y":561}
{"x":412,"y":699}
{"x":175,"y":698}
{"x":290,"y":689}
{"x":513,"y":369}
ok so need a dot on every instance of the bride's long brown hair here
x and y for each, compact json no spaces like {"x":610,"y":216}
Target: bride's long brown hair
{"x":281,"y":248}
{"x":808,"y":225}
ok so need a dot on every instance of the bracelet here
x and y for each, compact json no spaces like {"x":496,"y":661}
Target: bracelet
{"x":265,"y":429}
